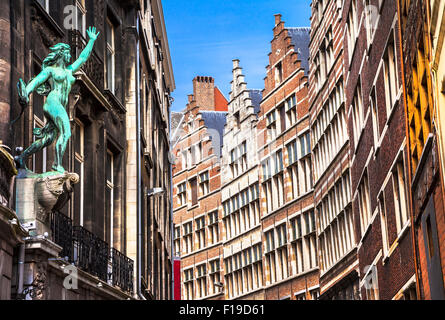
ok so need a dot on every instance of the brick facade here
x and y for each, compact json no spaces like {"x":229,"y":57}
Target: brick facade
{"x":379,"y":166}
{"x":198,"y":152}
{"x":331,"y":154}
{"x":290,"y":258}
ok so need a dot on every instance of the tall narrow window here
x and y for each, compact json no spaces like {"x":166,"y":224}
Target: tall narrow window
{"x":293,"y":167}
{"x":188,"y":284}
{"x":201,"y":280}
{"x":291,"y":110}
{"x":177,"y":241}
{"x":352,"y":28}
{"x":214,"y":275}
{"x":271,"y":125}
{"x":193,"y":154}
{"x":400,"y":199}
{"x":305,"y":164}
{"x":357,"y":114}
{"x":110,"y":60}
{"x":429,"y":231}
{"x":282,"y":113}
{"x":364,"y":203}
{"x":371,"y":284}
{"x":270,"y":255}
{"x":384,"y":223}
{"x":182,"y":196}
{"x":278,"y":73}
{"x":198,"y":152}
{"x":109,"y":196}
{"x":80,"y":17}
{"x":375,"y":117}
{"x":79,"y":167}
{"x":204,"y":183}
{"x":213,"y":227}
{"x":200,"y":232}
{"x":188,"y":244}
{"x":243,"y":156}
{"x":194,"y":191}
{"x":370,"y":19}
{"x":390,"y":74}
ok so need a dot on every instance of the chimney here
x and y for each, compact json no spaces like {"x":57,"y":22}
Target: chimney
{"x":235,"y":63}
{"x":204,"y":92}
{"x":277,"y":19}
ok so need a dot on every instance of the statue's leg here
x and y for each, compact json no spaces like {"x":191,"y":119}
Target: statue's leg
{"x":62,"y":123}
{"x":36,"y":146}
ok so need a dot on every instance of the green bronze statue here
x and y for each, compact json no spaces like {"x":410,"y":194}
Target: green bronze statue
{"x":54,"y":82}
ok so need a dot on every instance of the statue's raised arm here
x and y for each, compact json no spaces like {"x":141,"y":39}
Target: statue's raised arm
{"x":83,"y":57}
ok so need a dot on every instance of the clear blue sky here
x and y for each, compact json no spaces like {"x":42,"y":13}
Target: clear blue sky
{"x":205,"y":35}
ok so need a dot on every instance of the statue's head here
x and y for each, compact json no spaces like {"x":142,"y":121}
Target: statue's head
{"x":59,"y":52}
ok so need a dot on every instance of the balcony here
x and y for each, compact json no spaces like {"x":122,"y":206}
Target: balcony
{"x":121,"y":271}
{"x":91,"y":254}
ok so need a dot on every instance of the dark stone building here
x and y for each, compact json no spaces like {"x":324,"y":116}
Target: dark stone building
{"x":124,"y":88}
{"x":11,"y":233}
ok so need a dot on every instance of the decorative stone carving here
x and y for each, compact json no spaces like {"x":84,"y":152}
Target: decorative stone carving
{"x":38,"y":196}
{"x":36,"y":290}
{"x":50,"y":188}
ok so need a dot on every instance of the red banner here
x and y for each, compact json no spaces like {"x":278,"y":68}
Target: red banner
{"x":177,"y":278}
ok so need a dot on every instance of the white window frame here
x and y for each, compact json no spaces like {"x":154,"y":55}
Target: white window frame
{"x":110,"y":49}
{"x":204,"y":185}
{"x":400,"y":193}
{"x":110,"y":185}
{"x":390,"y":74}
{"x":80,"y":6}
{"x":364,"y":199}
{"x":44,"y":4}
{"x":375,"y":117}
{"x":80,"y":157}
{"x":358,"y":116}
{"x":383,"y":222}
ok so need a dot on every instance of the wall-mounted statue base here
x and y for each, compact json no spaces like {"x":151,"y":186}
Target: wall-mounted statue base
{"x":37,"y":196}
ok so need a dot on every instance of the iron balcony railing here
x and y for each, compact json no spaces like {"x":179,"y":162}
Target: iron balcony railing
{"x":90,"y":253}
{"x":122,"y":270}
{"x":62,"y":231}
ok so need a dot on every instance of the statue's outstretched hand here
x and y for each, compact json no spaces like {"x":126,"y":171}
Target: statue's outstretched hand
{"x":23,"y":96}
{"x":92,"y":33}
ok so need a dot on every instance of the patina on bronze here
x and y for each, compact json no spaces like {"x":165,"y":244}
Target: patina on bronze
{"x":54,"y":82}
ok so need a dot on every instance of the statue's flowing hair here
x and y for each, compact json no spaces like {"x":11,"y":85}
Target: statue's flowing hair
{"x":54,"y":56}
